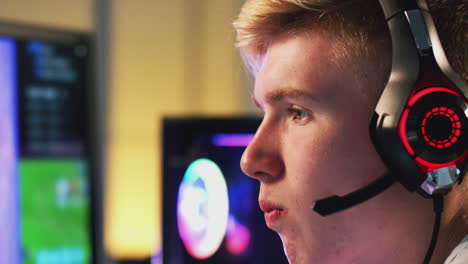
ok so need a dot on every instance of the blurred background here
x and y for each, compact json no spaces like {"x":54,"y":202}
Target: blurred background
{"x":147,"y":59}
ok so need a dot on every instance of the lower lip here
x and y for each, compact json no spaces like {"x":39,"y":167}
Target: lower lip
{"x":272,"y":218}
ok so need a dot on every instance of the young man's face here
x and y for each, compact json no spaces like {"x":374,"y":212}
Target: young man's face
{"x":313,"y":143}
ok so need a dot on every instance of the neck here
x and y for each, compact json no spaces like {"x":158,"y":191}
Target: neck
{"x":454,"y":225}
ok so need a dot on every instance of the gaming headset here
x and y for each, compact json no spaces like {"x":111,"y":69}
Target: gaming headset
{"x":420,"y":125}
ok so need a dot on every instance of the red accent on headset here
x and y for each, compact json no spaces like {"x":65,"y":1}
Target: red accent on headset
{"x":427,"y":91}
{"x":454,"y":134}
{"x":427,"y":166}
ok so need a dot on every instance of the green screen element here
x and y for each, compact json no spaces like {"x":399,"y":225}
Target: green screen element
{"x":55,"y":212}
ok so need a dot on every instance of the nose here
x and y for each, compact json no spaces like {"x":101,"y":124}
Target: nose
{"x":262,"y":158}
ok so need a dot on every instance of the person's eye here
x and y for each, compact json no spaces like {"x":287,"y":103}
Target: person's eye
{"x":298,"y":114}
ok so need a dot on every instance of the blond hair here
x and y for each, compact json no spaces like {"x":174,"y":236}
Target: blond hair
{"x":358,"y":26}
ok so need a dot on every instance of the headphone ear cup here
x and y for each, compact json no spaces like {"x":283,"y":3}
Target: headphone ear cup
{"x":434,"y":127}
{"x":434,"y":131}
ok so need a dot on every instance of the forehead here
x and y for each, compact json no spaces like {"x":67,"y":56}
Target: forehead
{"x":304,"y":61}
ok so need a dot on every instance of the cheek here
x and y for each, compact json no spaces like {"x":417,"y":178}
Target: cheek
{"x":331,"y":156}
{"x":310,"y":155}
{"x":356,"y":153}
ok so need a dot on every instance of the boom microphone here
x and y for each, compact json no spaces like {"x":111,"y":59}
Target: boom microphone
{"x":334,"y":203}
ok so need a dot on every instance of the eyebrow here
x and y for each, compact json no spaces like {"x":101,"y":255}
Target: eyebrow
{"x":279,"y":94}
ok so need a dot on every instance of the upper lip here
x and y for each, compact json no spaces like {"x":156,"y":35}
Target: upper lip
{"x":268,"y":206}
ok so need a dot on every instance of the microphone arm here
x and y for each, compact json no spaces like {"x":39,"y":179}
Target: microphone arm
{"x":334,"y":203}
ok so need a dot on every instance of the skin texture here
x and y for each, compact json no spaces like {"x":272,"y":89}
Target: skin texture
{"x":313,"y":143}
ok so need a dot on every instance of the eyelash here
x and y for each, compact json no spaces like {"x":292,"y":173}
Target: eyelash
{"x":295,"y":112}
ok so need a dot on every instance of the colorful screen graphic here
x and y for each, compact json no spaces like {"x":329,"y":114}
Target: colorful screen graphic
{"x":202,"y":208}
{"x":54,"y":212}
{"x":201,"y":156}
{"x":9,"y":233}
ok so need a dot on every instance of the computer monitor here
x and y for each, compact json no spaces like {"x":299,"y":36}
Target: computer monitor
{"x":210,"y":207}
{"x":50,"y":73}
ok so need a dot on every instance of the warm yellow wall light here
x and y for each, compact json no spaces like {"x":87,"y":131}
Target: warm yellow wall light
{"x":167,"y":57}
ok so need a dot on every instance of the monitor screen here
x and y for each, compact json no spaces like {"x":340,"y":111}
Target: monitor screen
{"x":48,"y":71}
{"x":210,"y":207}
